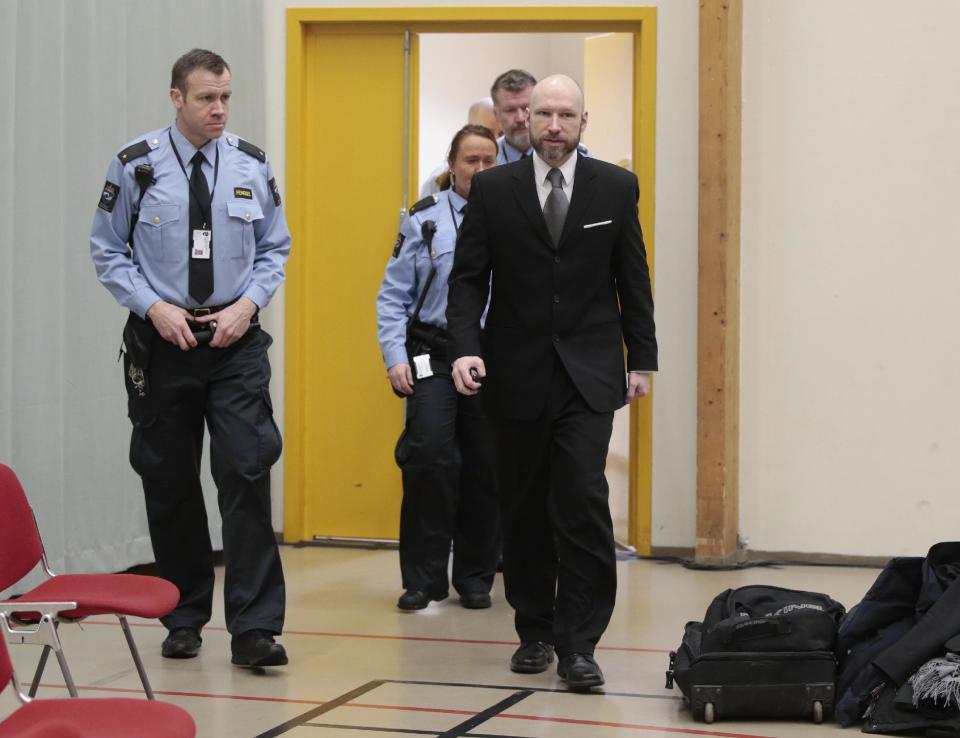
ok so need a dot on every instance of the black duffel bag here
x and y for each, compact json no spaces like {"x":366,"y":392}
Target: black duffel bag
{"x":765,"y":618}
{"x":760,"y":651}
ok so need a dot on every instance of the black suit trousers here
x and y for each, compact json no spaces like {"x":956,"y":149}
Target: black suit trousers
{"x":559,"y":563}
{"x":449,"y":491}
{"x":225,"y":389}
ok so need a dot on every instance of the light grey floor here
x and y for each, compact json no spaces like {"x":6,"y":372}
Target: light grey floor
{"x":427,"y":673}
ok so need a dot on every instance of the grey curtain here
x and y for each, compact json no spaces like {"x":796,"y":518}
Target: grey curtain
{"x":79,"y":79}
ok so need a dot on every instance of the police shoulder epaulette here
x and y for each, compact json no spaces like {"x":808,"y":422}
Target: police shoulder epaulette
{"x":423,"y":204}
{"x":134,"y":151}
{"x":253,"y":150}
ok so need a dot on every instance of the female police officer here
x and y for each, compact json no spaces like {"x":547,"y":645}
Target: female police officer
{"x":445,"y":452}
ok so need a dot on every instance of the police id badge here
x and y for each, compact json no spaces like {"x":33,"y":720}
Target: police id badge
{"x":421,"y":366}
{"x":201,"y":244}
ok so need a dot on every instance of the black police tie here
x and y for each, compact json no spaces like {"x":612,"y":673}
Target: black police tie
{"x":200,"y":281}
{"x":555,"y":207}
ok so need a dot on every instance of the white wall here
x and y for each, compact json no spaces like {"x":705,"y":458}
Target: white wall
{"x":675,"y":277}
{"x":850,"y":263}
{"x":674,"y":463}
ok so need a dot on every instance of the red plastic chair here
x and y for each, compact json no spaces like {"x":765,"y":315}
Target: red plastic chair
{"x":86,"y":718}
{"x":94,"y":594}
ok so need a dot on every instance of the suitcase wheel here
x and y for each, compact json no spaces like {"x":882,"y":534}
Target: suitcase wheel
{"x":708,"y":714}
{"x":817,"y":711}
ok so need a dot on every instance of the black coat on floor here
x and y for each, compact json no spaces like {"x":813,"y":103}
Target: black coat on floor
{"x":905,"y":619}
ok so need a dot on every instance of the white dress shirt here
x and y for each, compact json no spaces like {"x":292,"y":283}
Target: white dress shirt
{"x":542,"y":168}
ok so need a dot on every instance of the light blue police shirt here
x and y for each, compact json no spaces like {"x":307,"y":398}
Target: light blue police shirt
{"x":250,"y":241}
{"x":507,"y":153}
{"x":407,"y":272}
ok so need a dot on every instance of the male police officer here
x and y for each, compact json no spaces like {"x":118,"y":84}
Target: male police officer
{"x":511,"y":99}
{"x":189,"y":236}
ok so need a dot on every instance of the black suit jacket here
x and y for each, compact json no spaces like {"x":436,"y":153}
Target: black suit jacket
{"x":579,"y":302}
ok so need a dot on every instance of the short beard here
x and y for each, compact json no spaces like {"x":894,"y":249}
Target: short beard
{"x":553,"y":154}
{"x":519,"y":141}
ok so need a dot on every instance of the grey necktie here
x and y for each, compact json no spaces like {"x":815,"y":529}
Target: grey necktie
{"x":555,"y":207}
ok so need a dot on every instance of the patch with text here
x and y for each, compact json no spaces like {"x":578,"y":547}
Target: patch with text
{"x":108,"y":198}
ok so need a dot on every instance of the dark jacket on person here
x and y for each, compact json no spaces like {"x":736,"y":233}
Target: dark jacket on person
{"x":580,"y":302}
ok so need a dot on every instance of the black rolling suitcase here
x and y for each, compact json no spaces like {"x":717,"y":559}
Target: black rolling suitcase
{"x":760,"y":651}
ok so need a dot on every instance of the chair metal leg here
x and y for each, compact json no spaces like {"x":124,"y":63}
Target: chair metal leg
{"x":41,"y":665}
{"x":71,"y":686}
{"x":58,"y":650}
{"x":136,"y":657}
{"x":46,"y":634}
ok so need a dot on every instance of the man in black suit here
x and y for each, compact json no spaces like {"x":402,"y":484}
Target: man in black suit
{"x":570,"y":285}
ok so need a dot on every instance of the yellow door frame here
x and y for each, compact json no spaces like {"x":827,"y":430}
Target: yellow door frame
{"x":641,"y":22}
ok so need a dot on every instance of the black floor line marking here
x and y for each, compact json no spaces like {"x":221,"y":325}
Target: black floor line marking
{"x":370,"y":729}
{"x":325,"y":707}
{"x":369,"y":686}
{"x":514,"y":687}
{"x":469,"y":724}
{"x":406,"y":731}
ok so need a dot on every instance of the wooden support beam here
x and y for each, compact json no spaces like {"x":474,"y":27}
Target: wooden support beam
{"x":718,"y":362}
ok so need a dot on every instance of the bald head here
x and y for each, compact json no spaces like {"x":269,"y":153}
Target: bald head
{"x":557,"y":118}
{"x":481,"y":114}
{"x":558,"y":86}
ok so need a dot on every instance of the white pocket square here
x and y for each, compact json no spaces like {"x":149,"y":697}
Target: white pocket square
{"x":598,"y":223}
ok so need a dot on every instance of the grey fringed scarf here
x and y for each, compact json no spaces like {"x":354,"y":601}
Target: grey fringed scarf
{"x":938,"y":679}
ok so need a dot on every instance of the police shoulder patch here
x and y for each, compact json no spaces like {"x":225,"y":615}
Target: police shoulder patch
{"x":255,"y":151}
{"x":108,"y":198}
{"x":398,"y":245}
{"x":134,"y":151}
{"x":423,"y":204}
{"x":274,"y":190}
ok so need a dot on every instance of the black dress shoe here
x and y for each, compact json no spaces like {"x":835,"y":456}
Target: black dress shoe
{"x":257,"y":648}
{"x":531,"y":658}
{"x":580,"y":672}
{"x":417,"y":599}
{"x":181,"y":643}
{"x":475,"y":600}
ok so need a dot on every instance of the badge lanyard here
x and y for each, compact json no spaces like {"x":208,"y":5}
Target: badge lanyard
{"x":216,"y":174}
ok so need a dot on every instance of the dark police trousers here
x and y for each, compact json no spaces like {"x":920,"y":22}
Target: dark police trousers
{"x":559,"y":562}
{"x":449,"y":491}
{"x":227,"y":389}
